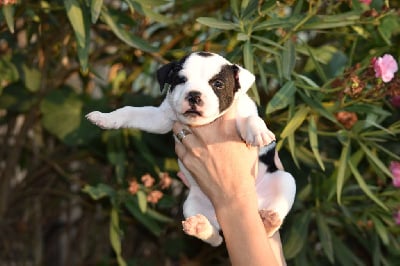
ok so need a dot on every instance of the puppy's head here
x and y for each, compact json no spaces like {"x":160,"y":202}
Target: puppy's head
{"x":202,"y":86}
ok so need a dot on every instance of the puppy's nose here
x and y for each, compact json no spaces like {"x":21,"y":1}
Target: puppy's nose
{"x":194,"y":97}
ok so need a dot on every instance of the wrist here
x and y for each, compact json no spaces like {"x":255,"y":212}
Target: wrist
{"x":236,"y":206}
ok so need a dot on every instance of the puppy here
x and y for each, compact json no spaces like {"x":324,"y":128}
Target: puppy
{"x":200,"y":88}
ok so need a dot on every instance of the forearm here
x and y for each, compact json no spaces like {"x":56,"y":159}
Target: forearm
{"x":245,"y":236}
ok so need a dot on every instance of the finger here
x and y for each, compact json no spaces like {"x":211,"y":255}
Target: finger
{"x":177,"y":127}
{"x":190,"y":140}
{"x":180,"y":132}
{"x":180,"y":149}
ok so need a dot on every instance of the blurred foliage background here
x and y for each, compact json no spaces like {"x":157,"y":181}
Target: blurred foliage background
{"x":73,"y":194}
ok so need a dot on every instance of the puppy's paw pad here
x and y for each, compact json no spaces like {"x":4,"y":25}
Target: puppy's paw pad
{"x":271,"y":221}
{"x":100,"y":119}
{"x":197,"y":226}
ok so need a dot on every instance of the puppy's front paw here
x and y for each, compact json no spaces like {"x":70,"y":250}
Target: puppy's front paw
{"x":271,"y":221}
{"x":101,"y":120}
{"x":257,"y":133}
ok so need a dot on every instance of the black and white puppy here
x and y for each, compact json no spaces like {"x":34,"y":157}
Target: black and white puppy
{"x":200,"y":88}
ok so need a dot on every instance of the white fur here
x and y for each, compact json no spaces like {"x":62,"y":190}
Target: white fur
{"x":275,"y":190}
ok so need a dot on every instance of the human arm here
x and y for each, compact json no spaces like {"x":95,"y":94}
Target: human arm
{"x":225,"y":169}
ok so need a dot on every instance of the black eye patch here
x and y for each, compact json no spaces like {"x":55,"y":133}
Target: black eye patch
{"x":168,"y":76}
{"x":225,"y":84}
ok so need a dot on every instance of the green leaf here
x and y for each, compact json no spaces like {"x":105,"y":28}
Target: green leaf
{"x":142,"y":200}
{"x":315,"y":60}
{"x":151,"y":2}
{"x":368,"y":109}
{"x":332,"y":21}
{"x":325,"y":237}
{"x":375,"y":159}
{"x":8,"y":12}
{"x":116,"y":153}
{"x":387,"y":27}
{"x":95,"y":8}
{"x":217,"y":24}
{"x":282,"y":98}
{"x":99,"y":191}
{"x":295,"y":122}
{"x":148,"y":12}
{"x":317,"y":106}
{"x":344,"y":254}
{"x":112,"y":21}
{"x":309,"y":82}
{"x":249,"y":65}
{"x":16,"y":98}
{"x":297,"y":235}
{"x":234,"y":4}
{"x":313,"y":136}
{"x":266,"y":49}
{"x":364,"y":186}
{"x":61,"y":113}
{"x":275,"y":23}
{"x":267,"y":41}
{"x":158,"y":216}
{"x":244,"y":4}
{"x":79,"y":20}
{"x":115,"y":236}
{"x":32,"y":78}
{"x":387,"y":151}
{"x":342,"y":170}
{"x":143,"y":218}
{"x":292,"y":148}
{"x":288,"y":59}
{"x":381,"y":229}
{"x":248,"y":8}
{"x":75,"y":16}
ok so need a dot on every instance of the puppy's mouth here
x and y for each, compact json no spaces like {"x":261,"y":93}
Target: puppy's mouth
{"x":192,"y":113}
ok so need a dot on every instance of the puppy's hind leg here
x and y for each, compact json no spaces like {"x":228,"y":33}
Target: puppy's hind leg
{"x":201,"y":220}
{"x":199,"y":226}
{"x":276,"y":192}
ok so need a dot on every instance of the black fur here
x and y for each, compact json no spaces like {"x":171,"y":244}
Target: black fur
{"x":169,"y":74}
{"x":268,"y":158}
{"x":225,"y":85}
{"x":204,"y":54}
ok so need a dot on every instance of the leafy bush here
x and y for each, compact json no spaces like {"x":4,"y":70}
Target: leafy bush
{"x":73,"y":194}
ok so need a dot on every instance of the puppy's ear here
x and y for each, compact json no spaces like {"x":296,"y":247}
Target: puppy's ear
{"x":244,"y":77}
{"x":166,"y":73}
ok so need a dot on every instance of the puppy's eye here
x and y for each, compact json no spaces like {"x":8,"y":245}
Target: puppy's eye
{"x":182,"y":79}
{"x":218,"y":84}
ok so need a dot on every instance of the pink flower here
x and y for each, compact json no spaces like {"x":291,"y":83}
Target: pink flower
{"x":397,"y":217}
{"x":148,"y":180}
{"x":367,"y":2}
{"x":133,"y":187}
{"x":395,"y":169}
{"x":7,"y":2}
{"x":395,"y":101}
{"x":385,"y":67}
{"x":154,"y":196}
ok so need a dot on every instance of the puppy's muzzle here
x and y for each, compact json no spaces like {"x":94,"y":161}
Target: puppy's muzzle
{"x":194,"y":98}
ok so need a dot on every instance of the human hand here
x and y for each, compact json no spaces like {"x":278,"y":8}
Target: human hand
{"x":222,"y":164}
